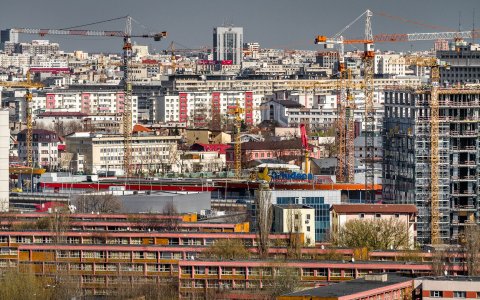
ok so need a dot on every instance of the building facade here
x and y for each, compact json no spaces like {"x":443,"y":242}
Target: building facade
{"x":88,"y":102}
{"x":104,"y":152}
{"x":200,"y":109}
{"x":406,"y":214}
{"x":463,"y":61}
{"x":44,"y":148}
{"x":407,"y":159}
{"x":295,"y":219}
{"x":228,"y":44}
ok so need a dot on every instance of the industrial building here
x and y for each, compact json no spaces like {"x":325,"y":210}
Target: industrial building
{"x":407,"y":165}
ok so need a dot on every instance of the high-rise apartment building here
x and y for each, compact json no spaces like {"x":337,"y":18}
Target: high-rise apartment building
{"x":407,"y":158}
{"x":228,"y":44}
{"x":7,"y":35}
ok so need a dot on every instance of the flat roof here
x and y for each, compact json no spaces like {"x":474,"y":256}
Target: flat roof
{"x":374,"y":208}
{"x":351,"y":287}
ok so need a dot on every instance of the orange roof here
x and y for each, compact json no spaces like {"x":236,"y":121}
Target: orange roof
{"x":140,"y":128}
{"x":374,"y":208}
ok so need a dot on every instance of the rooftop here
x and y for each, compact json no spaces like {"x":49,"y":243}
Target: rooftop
{"x":374,"y":208}
{"x":352,"y":287}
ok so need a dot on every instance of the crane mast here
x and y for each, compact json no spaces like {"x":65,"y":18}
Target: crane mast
{"x":368,"y":60}
{"x":126,"y":62}
{"x":127,"y":100}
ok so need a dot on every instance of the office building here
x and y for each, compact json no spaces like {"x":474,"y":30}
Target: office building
{"x":7,"y":35}
{"x":228,"y":44}
{"x":463,"y":61}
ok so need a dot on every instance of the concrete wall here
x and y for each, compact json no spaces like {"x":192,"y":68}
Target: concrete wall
{"x":184,"y":203}
{"x":4,"y":151}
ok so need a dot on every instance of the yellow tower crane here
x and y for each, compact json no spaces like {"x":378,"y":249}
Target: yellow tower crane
{"x":29,"y":120}
{"x":237,"y":113}
{"x":126,"y":64}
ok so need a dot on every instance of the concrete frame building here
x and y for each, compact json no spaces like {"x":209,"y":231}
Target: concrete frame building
{"x":228,"y":44}
{"x":406,"y":158}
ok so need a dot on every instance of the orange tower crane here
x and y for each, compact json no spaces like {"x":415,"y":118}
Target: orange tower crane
{"x":126,"y":62}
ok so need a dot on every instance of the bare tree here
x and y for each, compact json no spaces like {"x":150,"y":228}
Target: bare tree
{"x":383,"y":234}
{"x":171,"y":211}
{"x":23,"y":286}
{"x":227,"y":249}
{"x":264,"y":218}
{"x":106,"y":203}
{"x":294,"y":226}
{"x":471,"y":245}
{"x":285,"y":280}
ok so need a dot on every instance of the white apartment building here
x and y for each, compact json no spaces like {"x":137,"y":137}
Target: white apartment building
{"x":104,"y":152}
{"x":94,"y":102}
{"x":316,"y":110}
{"x":295,"y":218}
{"x":14,"y":60}
{"x":390,"y":64}
{"x":201,"y":108}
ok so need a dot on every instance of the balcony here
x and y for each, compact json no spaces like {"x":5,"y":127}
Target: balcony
{"x":463,"y":193}
{"x":464,"y":208}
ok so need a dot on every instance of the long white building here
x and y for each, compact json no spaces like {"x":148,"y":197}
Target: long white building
{"x":87,"y":102}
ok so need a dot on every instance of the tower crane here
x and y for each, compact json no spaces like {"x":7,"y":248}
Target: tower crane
{"x":368,"y":60}
{"x":126,"y":61}
{"x":237,"y":113}
{"x":345,"y":171}
{"x":29,"y":119}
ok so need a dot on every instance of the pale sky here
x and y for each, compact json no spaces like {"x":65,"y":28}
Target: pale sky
{"x":290,"y":24}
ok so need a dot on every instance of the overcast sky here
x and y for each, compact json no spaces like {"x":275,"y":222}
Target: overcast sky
{"x":290,"y":24}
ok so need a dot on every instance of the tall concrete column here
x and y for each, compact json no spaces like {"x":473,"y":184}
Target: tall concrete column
{"x":4,"y":160}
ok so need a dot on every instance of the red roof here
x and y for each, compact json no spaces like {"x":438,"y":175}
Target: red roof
{"x":374,"y":208}
{"x":220,"y":148}
{"x":140,"y":128}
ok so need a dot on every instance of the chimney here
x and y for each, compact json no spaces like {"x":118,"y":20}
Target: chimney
{"x":376,"y":277}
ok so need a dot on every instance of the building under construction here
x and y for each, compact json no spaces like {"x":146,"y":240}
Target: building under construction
{"x":410,"y":162}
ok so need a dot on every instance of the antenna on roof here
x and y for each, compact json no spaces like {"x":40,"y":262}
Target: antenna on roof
{"x":459,"y":21}
{"x":473,"y":27}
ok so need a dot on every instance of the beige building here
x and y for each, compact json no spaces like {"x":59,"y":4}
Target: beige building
{"x":205,"y":136}
{"x":342,"y":213}
{"x":295,"y":218}
{"x":96,"y":153}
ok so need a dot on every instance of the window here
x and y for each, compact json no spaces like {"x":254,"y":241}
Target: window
{"x":308,"y":228}
{"x":362,"y":216}
{"x":378,"y":215}
{"x":436,"y":294}
{"x":397,"y":215}
{"x":460,"y":294}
